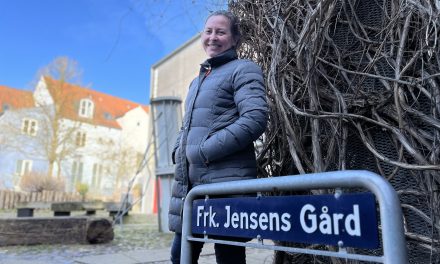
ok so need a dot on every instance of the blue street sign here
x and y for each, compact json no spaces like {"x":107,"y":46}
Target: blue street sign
{"x":313,"y":219}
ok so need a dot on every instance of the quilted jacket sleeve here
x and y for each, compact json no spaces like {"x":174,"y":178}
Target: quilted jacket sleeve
{"x":176,"y":146}
{"x":250,"y":99}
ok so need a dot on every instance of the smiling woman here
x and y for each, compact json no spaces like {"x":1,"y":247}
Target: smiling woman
{"x":226,"y":111}
{"x":220,"y":34}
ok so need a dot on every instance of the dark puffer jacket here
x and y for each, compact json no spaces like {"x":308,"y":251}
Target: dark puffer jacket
{"x":226,"y":111}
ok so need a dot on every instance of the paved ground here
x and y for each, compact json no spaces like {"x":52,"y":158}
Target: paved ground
{"x":157,"y":256}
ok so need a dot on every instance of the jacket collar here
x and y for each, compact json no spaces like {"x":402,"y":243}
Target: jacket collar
{"x":222,"y":58}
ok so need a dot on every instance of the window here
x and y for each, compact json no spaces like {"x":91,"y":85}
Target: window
{"x":5,"y":107}
{"x":108,"y":116}
{"x":23,"y":167}
{"x":86,"y":108}
{"x":77,"y":172}
{"x":97,"y":175}
{"x":29,"y":127}
{"x":80,"y":139}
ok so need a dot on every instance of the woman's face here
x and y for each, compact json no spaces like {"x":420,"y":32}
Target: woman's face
{"x":217,"y":36}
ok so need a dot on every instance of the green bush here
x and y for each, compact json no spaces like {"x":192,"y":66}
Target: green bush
{"x":82,"y":189}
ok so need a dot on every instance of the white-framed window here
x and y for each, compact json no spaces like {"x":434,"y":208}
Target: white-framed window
{"x":80,"y":139}
{"x":77,"y":172}
{"x":97,"y":175}
{"x":23,"y":167}
{"x":86,"y":108}
{"x":29,"y":126}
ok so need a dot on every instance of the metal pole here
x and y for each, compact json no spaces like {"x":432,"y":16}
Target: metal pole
{"x":393,"y":239}
{"x":186,"y":250}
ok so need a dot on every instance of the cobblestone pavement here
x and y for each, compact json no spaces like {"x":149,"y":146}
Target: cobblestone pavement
{"x":161,"y":256}
{"x":253,"y":256}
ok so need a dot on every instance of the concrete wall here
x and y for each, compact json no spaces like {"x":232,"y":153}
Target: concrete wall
{"x":172,"y":75}
{"x":137,"y":135}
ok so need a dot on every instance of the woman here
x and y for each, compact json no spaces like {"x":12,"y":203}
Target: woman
{"x":226,"y":111}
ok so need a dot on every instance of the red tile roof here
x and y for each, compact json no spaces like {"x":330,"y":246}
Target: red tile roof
{"x":105,"y":105}
{"x":14,"y":98}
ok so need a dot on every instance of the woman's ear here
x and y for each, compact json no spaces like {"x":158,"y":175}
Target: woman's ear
{"x":235,"y":43}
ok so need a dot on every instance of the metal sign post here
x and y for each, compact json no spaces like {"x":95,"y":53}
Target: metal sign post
{"x":209,"y":217}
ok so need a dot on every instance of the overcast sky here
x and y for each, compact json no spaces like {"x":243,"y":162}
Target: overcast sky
{"x":115,"y":42}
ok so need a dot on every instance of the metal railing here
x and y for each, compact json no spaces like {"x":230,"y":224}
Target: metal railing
{"x":393,"y":239}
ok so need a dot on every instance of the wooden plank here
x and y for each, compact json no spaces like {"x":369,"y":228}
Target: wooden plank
{"x":22,"y":198}
{"x":2,"y":199}
{"x":11,"y":199}
{"x":57,"y":197}
{"x":33,"y":197}
{"x":7,"y":198}
{"x":17,"y":196}
{"x":95,"y":205}
{"x":26,"y":197}
{"x":35,"y":205}
{"x":51,"y":196}
{"x":60,"y":230}
{"x":115,"y":206}
{"x":64,"y":198}
{"x":92,"y":207}
{"x":66,"y":206}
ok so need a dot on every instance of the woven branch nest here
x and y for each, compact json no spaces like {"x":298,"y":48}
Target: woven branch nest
{"x":354,"y":85}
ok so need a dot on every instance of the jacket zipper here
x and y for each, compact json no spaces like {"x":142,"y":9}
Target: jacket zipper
{"x":207,"y":72}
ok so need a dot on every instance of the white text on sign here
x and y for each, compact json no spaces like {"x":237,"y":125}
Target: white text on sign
{"x":311,"y":221}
